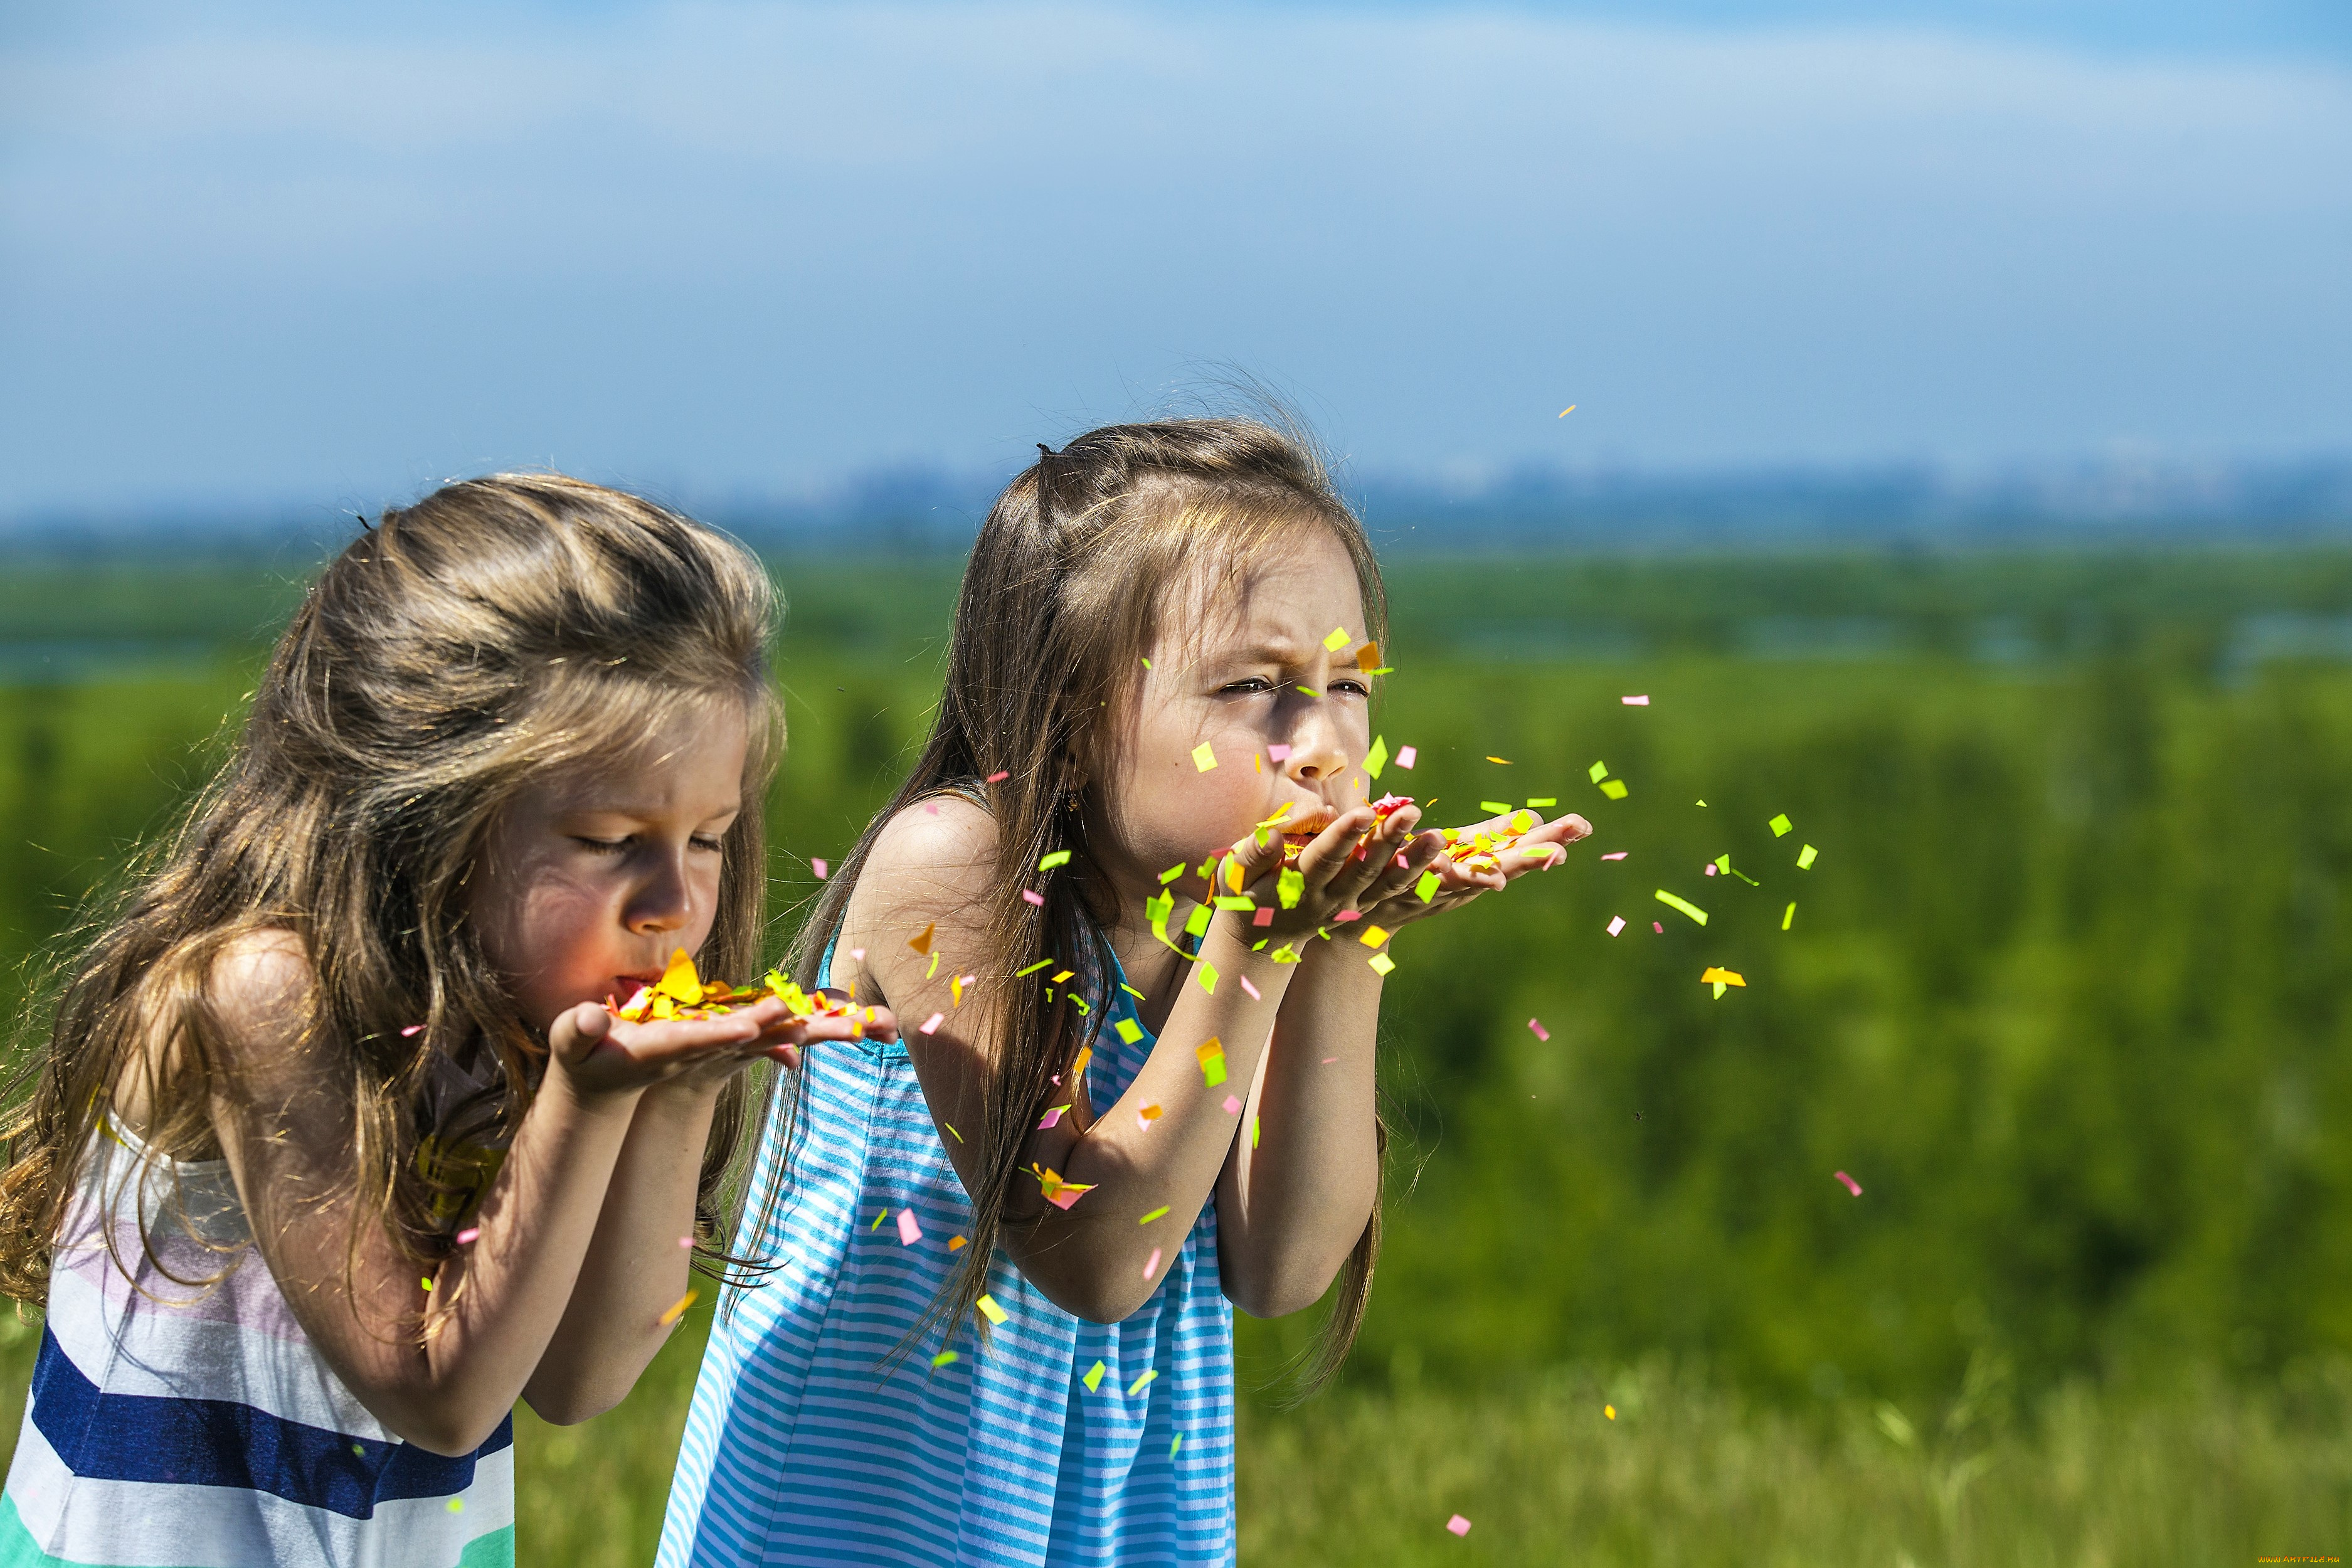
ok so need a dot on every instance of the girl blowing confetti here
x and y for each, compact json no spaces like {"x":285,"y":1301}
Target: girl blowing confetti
{"x":330,"y":1149}
{"x":1096,"y":1140}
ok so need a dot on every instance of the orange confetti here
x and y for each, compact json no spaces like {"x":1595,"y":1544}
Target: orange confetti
{"x":677,"y":1309}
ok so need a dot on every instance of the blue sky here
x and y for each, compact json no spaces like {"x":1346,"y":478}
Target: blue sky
{"x":278,"y":254}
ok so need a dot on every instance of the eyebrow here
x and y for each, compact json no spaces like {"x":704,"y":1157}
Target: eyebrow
{"x":640,"y":812}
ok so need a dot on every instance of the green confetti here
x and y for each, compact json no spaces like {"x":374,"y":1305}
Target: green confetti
{"x":1032,"y":969}
{"x":1805,"y":858}
{"x":1381,"y":962}
{"x":1289,"y":886}
{"x":1781,"y":824}
{"x":1428,"y":885}
{"x":1176,"y":1444}
{"x":1598,"y":771}
{"x":1197,"y":922}
{"x":1155,"y":1214}
{"x":1208,"y":973}
{"x":1093,"y":1380}
{"x":1378,"y":757}
{"x":1234,"y":902}
{"x":1131,"y":991}
{"x":945,"y":1357}
{"x":1252,"y":1131}
{"x":1682,"y":904}
{"x":1310,"y":691}
{"x":1058,"y":857}
{"x":1544,"y":800}
{"x":1613,"y":788}
{"x":1788,"y":917}
{"x":878,"y":1219}
{"x":1499,"y":807}
{"x":1170,"y":874}
{"x":1128,"y":1031}
{"x":1139,"y":1385}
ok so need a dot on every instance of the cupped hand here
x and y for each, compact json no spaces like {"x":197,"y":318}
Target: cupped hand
{"x":601,"y":1055}
{"x":1392,"y":898}
{"x":1357,"y":852}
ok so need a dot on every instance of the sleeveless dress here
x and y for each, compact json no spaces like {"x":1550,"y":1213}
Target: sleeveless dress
{"x":176,"y":1425}
{"x":1064,"y":1442}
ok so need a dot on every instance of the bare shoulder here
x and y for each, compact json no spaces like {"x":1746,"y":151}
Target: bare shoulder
{"x":926,"y":867}
{"x":260,"y":989}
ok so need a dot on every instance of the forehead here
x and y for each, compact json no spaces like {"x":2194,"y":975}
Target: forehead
{"x":686,"y":753}
{"x":1296,"y":587}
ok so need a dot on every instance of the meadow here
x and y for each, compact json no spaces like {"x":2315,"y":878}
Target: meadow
{"x":2062,"y":990}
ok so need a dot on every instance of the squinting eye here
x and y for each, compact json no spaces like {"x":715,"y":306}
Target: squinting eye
{"x":1247,"y":688}
{"x":603,"y":846}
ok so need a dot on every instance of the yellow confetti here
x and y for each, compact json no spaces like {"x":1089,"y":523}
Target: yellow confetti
{"x":1505,"y":761}
{"x":1788,"y":917}
{"x":678,"y":1308}
{"x":1682,"y":904}
{"x":1613,"y":788}
{"x":1208,"y":973}
{"x":1381,"y":962}
{"x":1155,"y":1214}
{"x":1058,"y":857}
{"x":1128,"y":1031}
{"x":1720,"y":977}
{"x":1211,"y":1057}
{"x":1204,"y":757}
{"x":1373,"y":936}
{"x":1609,"y":1411}
{"x":1805,"y":858}
{"x":1567,"y":411}
{"x":679,"y":981}
{"x":1337,"y":639}
{"x":989,"y":1309}
{"x":1093,"y":1380}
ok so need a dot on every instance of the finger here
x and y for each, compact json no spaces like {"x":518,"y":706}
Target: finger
{"x":1334,"y":848}
{"x":576,"y":1030}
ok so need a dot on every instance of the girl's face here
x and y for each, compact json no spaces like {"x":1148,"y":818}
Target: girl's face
{"x":593,"y":877}
{"x":1244,"y":678}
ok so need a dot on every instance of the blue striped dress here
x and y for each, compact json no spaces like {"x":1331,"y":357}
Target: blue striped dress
{"x":1066,"y":1442}
{"x":196,"y":1426}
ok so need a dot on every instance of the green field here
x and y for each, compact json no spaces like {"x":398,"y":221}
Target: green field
{"x":2065,"y":992}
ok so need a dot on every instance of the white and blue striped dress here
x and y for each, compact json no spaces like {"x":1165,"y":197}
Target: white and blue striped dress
{"x":196,"y":1426}
{"x":798,"y":1450}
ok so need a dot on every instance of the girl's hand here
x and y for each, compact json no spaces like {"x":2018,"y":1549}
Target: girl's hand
{"x":1331,"y":876}
{"x":1392,"y":897}
{"x":601,"y":1055}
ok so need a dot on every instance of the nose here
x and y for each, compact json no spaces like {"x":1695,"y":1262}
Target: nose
{"x":1317,"y":750}
{"x":663,"y":901}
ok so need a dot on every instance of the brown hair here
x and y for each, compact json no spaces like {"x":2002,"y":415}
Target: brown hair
{"x":1064,"y":595}
{"x":498,"y":627}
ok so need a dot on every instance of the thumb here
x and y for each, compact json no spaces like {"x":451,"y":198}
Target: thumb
{"x":1250,"y":858}
{"x":578,"y":1030}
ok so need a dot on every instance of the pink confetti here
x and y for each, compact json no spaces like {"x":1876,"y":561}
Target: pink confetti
{"x":1068,"y":1195}
{"x":1328,"y":1060}
{"x":1541,"y":1033}
{"x":1151,"y":1266}
{"x":910,"y":1232}
{"x":818,"y":867}
{"x":1233,"y":1103}
{"x":1032,"y":896}
{"x":1635,"y":701}
{"x":466,"y":1236}
{"x":1616,"y":925}
{"x":932,"y":807}
{"x":1052,"y":1116}
{"x":1618,"y":855}
{"x":1851,"y":1184}
{"x":1405,"y":756}
{"x":857,"y":956}
{"x":1263,"y":918}
{"x":998,"y":777}
{"x":411,"y":1032}
{"x":1278,"y":753}
{"x":1251,"y":989}
{"x":932,"y":1025}
{"x":1657,"y":927}
{"x":1458,"y":1525}
{"x":1344,"y":916}
{"x":686,"y":1243}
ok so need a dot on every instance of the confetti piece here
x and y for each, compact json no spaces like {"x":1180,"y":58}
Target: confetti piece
{"x":1066,"y":974}
{"x":1146,"y":1117}
{"x":456,"y":1505}
{"x":1458,"y":1525}
{"x":1233,"y":1104}
{"x":424,"y":1281}
{"x":678,"y":981}
{"x":1609,"y":1411}
{"x":998,"y":777}
{"x":1207,"y":973}
{"x":1151,"y":1267}
{"x":1613,"y":788}
{"x":1277,"y":753}
{"x":1093,"y":1380}
{"x":1378,"y":757}
{"x":1328,"y":1060}
{"x":1140,"y":1383}
{"x":1426,"y":889}
{"x":1499,"y":807}
{"x":1057,"y":858}
{"x":1033,"y":969}
{"x":1337,"y":639}
{"x":954,"y":1242}
{"x":1616,"y":924}
{"x":1617,"y":855}
{"x":1175,"y":1443}
{"x":1262,"y":918}
{"x":411,"y":1032}
{"x":932,"y":1025}
{"x":1155,"y":1213}
{"x":1545,"y":800}
{"x":878,"y":1219}
{"x":1657,"y":927}
{"x":1721,"y":977}
{"x":945,"y":1357}
{"x":910,"y":1232}
{"x":1851,"y":1184}
{"x":1369,"y":655}
{"x":922,"y":943}
{"x":678,"y":1308}
{"x":1685,"y":905}
{"x":466,"y":1236}
{"x":1788,"y":917}
{"x":989,"y":1309}
{"x":1805,"y":858}
{"x":1253,"y":990}
{"x":1131,"y":991}
{"x":1252,"y":1131}
{"x":1212,"y":1058}
{"x":1128,"y":1031}
{"x":1541,"y":1033}
{"x":1567,"y":411}
{"x":1373,"y":936}
{"x":1635,"y":701}
{"x":1204,"y":757}
{"x":1708,"y":869}
{"x":1505,"y":761}
{"x":1407,"y":755}
{"x":685,"y":1242}
{"x":1598,"y":771}
{"x":1032,"y":896}
{"x":818,"y":866}
{"x":1051,"y":1116}
{"x":1780,"y":826}
{"x":1382,"y":963}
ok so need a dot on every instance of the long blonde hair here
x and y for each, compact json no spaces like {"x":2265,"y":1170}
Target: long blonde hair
{"x":1064,"y":593}
{"x":496,"y":628}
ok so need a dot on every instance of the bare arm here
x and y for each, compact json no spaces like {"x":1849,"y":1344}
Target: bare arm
{"x":1292,"y":1204}
{"x":284,"y":1121}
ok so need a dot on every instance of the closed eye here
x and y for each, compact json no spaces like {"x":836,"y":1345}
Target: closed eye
{"x":1249,"y":686}
{"x":601,"y":846}
{"x":708,"y":842}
